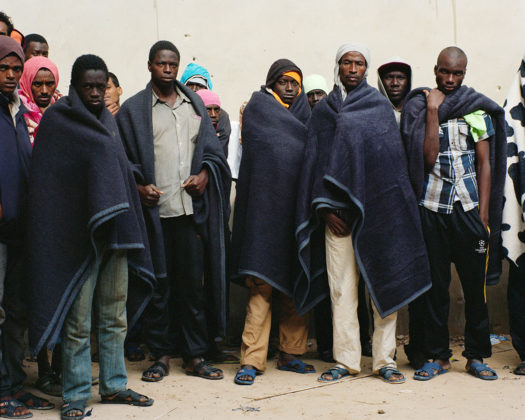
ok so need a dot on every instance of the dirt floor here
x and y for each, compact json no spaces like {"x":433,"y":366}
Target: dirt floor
{"x":284,"y":395}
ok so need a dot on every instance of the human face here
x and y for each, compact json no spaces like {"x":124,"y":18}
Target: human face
{"x":396,"y":85}
{"x":43,"y":88}
{"x":287,"y":88}
{"x":3,"y":28}
{"x":352,"y":69}
{"x":214,"y":111}
{"x":450,"y":72}
{"x":35,"y":49}
{"x":164,"y":68}
{"x":91,"y":89}
{"x":195,"y":86}
{"x":314,"y":96}
{"x":113,"y":93}
{"x":10,"y":72}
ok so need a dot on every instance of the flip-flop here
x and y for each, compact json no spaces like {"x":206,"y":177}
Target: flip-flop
{"x":204,"y":370}
{"x":335,"y":372}
{"x":34,"y":402}
{"x":476,"y":368}
{"x":432,"y":369}
{"x":386,"y":372}
{"x":520,"y":369}
{"x":296,"y":366}
{"x":129,"y":397}
{"x":9,"y":406}
{"x":79,"y":405}
{"x":245,"y":372}
{"x":159,"y":368}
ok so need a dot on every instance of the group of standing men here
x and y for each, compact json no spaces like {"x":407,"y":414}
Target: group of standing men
{"x":124,"y":210}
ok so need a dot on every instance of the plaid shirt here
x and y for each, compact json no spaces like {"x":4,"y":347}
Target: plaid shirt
{"x":453,"y":177}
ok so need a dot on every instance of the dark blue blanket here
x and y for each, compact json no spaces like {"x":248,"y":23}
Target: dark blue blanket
{"x":210,"y":211}
{"x":263,"y":243}
{"x":15,"y":154}
{"x":355,"y":161}
{"x":82,"y":202}
{"x":464,"y":101}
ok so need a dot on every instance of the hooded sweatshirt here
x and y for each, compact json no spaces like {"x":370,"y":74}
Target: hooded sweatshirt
{"x":393,"y":61}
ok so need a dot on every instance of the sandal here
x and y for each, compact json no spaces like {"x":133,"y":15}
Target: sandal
{"x":297,"y":366}
{"x":79,"y":405}
{"x":204,"y":370}
{"x":337,"y":374}
{"x":385,"y":373}
{"x":134,"y":353}
{"x":431,"y":369}
{"x":520,"y":369}
{"x":49,"y":384}
{"x":8,"y":408}
{"x":158,"y":368}
{"x":129,"y":397}
{"x":33,"y":402}
{"x":245,"y":372}
{"x":476,"y":368}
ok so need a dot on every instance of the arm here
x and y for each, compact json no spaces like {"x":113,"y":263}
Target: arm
{"x":483,"y":177}
{"x":431,"y":143}
{"x":196,"y":184}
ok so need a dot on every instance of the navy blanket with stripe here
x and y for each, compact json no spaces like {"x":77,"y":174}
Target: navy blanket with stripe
{"x":263,"y":243}
{"x":82,"y":202}
{"x":355,"y":162}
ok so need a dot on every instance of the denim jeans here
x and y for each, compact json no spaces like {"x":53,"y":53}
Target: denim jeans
{"x":105,"y":290}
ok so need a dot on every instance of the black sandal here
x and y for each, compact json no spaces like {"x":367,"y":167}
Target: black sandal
{"x":129,"y":397}
{"x":9,"y":407}
{"x":204,"y":370}
{"x":33,"y":402}
{"x":79,"y":405}
{"x":158,"y":368}
{"x":49,"y":384}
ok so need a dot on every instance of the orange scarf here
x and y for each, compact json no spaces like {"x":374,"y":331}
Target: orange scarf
{"x":294,"y":75}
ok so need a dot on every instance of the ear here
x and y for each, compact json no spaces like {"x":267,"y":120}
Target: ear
{"x":119,"y":90}
{"x":435,"y":70}
{"x":149,"y":66}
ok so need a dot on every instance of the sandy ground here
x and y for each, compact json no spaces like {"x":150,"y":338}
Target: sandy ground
{"x":284,"y":395}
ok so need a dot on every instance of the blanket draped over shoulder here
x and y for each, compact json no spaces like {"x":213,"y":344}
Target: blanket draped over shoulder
{"x":263,"y":243}
{"x":82,"y":202}
{"x":355,"y":161}
{"x":210,"y":211}
{"x":513,"y":227}
{"x":462,"y":102}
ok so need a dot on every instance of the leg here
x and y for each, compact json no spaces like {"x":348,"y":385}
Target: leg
{"x":437,"y":299}
{"x":470,"y":256}
{"x":343,"y":278}
{"x":516,"y":297}
{"x":364,"y":319}
{"x":257,"y":324}
{"x":323,"y":330}
{"x":76,"y":360}
{"x":111,"y":324}
{"x":293,"y":336}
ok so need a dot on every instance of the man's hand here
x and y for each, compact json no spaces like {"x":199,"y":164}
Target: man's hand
{"x":434,"y":98}
{"x":336,"y":225}
{"x":196,"y":184}
{"x":113,"y":108}
{"x":149,"y":194}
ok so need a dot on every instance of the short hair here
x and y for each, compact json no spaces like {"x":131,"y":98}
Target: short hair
{"x":162,"y":45}
{"x":7,"y":20}
{"x":454,"y":52}
{"x":114,"y":79}
{"x":84,"y":63}
{"x":33,"y":38}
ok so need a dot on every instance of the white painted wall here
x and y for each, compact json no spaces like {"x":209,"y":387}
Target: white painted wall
{"x":237,"y":40}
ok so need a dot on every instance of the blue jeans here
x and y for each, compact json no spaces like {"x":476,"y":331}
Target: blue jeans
{"x":105,"y":290}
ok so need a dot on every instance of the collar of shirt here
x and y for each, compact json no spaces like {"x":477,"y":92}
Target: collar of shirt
{"x":14,"y":106}
{"x":181,"y":97}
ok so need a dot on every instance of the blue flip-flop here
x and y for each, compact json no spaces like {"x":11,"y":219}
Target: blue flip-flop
{"x":335,"y":372}
{"x":476,"y":368}
{"x":432,"y":369}
{"x":296,"y":366}
{"x":245,"y":372}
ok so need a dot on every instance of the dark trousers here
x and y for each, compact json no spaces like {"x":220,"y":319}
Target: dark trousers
{"x":460,"y":238}
{"x":185,"y":267}
{"x":323,"y":320}
{"x":516,"y":301}
{"x":16,"y":321}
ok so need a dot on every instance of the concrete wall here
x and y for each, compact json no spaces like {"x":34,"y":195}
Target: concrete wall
{"x":237,"y":40}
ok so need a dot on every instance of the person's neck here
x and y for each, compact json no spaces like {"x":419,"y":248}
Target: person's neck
{"x":165,"y":93}
{"x":43,"y":109}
